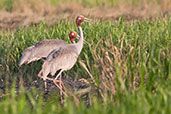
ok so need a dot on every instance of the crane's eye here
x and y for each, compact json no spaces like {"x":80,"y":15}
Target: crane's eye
{"x":72,"y":34}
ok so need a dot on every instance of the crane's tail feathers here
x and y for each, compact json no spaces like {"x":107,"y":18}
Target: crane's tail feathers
{"x":22,"y":62}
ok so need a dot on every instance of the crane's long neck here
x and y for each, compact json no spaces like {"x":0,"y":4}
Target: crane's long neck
{"x":79,"y":44}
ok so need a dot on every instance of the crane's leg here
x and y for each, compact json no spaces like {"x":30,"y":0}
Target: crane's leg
{"x":56,"y":80}
{"x":45,"y":82}
{"x":60,"y":84}
{"x":60,"y":88}
{"x":44,"y":79}
{"x":60,"y":79}
{"x":58,"y":74}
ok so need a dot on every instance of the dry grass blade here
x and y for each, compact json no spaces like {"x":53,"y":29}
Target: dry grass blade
{"x":84,"y":66}
{"x":83,"y":91}
{"x":112,"y":64}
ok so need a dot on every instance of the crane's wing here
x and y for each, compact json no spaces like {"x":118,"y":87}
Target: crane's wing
{"x":63,"y":58}
{"x":40,"y":50}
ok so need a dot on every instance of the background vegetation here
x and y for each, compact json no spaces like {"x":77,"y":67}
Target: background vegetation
{"x":129,"y":63}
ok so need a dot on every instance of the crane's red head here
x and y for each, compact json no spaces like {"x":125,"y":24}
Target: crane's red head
{"x":73,"y":35}
{"x":81,"y":19}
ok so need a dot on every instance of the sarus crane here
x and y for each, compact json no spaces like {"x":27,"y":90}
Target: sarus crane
{"x":64,"y":58}
{"x":41,"y":50}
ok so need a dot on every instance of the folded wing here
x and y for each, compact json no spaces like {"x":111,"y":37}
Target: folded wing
{"x":40,"y":50}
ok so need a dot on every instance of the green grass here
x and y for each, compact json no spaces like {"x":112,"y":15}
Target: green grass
{"x":129,"y":63}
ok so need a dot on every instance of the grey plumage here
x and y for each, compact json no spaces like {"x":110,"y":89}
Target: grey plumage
{"x":63,"y":58}
{"x":40,"y":50}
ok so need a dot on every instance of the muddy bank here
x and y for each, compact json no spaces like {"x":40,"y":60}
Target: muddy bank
{"x":24,"y":15}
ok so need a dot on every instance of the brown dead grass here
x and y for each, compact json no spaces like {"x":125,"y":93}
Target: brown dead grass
{"x":112,"y":64}
{"x":26,"y":14}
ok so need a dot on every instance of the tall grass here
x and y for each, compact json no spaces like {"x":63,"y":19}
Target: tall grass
{"x":127,"y":65}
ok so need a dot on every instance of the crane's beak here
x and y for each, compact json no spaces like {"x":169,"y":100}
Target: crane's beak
{"x":86,"y":19}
